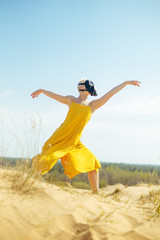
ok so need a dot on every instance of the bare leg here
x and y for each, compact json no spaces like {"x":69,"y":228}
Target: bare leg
{"x":93,"y":177}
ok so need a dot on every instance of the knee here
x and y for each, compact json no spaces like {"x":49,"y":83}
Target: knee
{"x":92,"y":172}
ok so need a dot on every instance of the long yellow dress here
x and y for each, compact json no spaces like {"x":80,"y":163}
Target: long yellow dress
{"x":65,"y":144}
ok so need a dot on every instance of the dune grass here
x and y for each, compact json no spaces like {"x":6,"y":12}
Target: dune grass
{"x":18,"y":171}
{"x":21,"y":178}
{"x":151,"y":204}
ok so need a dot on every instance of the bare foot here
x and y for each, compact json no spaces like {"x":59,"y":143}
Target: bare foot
{"x":95,"y":191}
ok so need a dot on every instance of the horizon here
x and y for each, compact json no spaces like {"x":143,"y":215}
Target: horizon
{"x":59,"y":161}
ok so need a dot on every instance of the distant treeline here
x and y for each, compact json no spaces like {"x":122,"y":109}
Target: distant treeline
{"x":110,"y":174}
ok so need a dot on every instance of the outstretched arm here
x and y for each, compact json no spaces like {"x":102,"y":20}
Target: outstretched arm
{"x":63,"y":99}
{"x":101,"y":101}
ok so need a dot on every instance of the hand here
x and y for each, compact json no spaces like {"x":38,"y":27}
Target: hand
{"x":133,"y":82}
{"x":36,"y":93}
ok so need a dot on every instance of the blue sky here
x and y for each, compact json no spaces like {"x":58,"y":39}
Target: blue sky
{"x":52,"y":45}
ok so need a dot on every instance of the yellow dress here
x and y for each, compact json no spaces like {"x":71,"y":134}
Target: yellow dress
{"x":65,"y":144}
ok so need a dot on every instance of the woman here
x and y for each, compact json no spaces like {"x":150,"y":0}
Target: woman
{"x":65,"y":143}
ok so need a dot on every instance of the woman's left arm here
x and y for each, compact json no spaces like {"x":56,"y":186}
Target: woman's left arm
{"x":101,"y":101}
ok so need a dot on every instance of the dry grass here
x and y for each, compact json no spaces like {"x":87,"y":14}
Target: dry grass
{"x":22,"y":178}
{"x":151,"y":204}
{"x":154,"y":197}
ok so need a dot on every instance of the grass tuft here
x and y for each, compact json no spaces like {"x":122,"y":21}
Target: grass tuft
{"x":152,"y":202}
{"x":22,"y":178}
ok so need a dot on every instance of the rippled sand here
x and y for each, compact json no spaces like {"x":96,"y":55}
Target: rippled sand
{"x":50,"y":212}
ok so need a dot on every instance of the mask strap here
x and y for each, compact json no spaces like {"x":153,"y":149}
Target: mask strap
{"x":81,"y":84}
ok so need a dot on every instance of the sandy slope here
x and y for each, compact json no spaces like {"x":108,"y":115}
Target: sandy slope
{"x":58,"y":213}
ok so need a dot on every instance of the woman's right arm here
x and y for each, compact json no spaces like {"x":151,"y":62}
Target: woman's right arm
{"x":63,"y":99}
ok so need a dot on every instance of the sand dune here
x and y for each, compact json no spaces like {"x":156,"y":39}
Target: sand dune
{"x":51,"y":212}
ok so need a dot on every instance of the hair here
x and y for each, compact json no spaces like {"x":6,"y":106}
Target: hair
{"x":82,"y":80}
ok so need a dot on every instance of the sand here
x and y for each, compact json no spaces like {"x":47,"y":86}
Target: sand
{"x":51,"y":212}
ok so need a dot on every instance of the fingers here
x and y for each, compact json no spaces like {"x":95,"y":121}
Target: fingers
{"x":135,"y":83}
{"x":35,"y":94}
